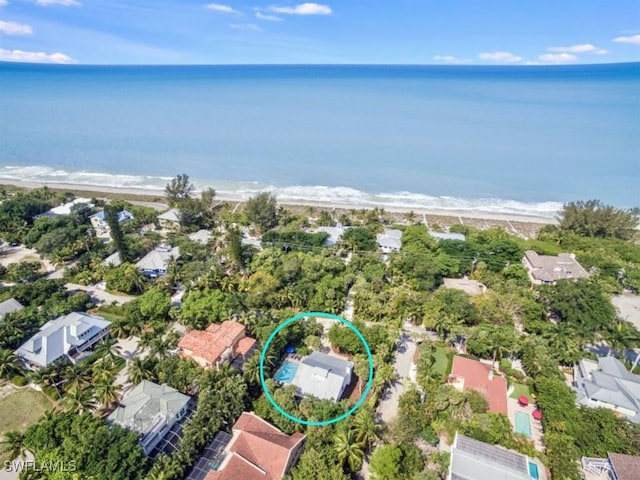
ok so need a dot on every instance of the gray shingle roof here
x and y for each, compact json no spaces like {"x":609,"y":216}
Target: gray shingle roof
{"x":159,"y":258}
{"x":609,"y":383}
{"x":390,"y":239}
{"x":172,"y":215}
{"x":10,"y":306}
{"x":548,"y":268}
{"x":147,"y":404}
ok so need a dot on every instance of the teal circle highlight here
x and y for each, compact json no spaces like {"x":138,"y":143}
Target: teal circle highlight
{"x":325,"y":315}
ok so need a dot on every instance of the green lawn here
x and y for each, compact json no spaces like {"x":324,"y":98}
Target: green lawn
{"x":519,"y":390}
{"x":440,"y":365}
{"x":112,"y":317}
{"x":20,"y":409}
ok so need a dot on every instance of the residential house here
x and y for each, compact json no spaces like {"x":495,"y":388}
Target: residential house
{"x":151,"y":410}
{"x":390,"y":240}
{"x":201,"y":236}
{"x":474,"y":460}
{"x":467,"y":374}
{"x":218,"y":344}
{"x":256,"y":450}
{"x":323,"y":376}
{"x":113,"y":260}
{"x":470,"y":287}
{"x":155,"y":263}
{"x":170,"y":219}
{"x":335,"y":234}
{"x":66,"y":208}
{"x":447,"y":236}
{"x":548,"y":269}
{"x":607,"y":384}
{"x":9,"y":306}
{"x":616,"y":466}
{"x":101,"y":226}
{"x":66,"y":337}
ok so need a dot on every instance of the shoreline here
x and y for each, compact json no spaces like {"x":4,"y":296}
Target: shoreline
{"x":440,"y":216}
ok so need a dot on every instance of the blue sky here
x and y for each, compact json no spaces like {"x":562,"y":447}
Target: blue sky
{"x":336,"y":31}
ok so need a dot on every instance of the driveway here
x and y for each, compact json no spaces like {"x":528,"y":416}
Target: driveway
{"x":102,"y":296}
{"x":388,"y":407}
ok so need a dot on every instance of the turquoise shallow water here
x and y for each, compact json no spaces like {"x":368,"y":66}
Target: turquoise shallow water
{"x":493,"y":139}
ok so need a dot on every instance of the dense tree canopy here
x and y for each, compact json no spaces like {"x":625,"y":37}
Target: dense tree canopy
{"x":595,"y":219}
{"x":261,"y":210}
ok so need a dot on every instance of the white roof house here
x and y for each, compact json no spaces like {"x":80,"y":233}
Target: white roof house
{"x":201,"y":236}
{"x":66,"y":209}
{"x":113,"y":260}
{"x":157,"y":260}
{"x":170,"y":218}
{"x":151,"y":410}
{"x":447,"y":236}
{"x":475,"y":460}
{"x":390,"y":240}
{"x":323,"y":376}
{"x":335,"y":234}
{"x":9,"y":306}
{"x":608,"y":384}
{"x":66,"y":336}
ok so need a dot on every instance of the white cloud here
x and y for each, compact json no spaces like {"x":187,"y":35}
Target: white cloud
{"x":635,"y":39}
{"x":269,"y":18}
{"x":584,"y":48}
{"x":4,"y":3}
{"x":450,"y":59}
{"x":500,"y":57}
{"x":251,"y":27}
{"x":64,"y":3}
{"x":557,"y":58}
{"x":34,"y":57}
{"x":13,"y":28}
{"x":216,"y":7}
{"x":303,"y":9}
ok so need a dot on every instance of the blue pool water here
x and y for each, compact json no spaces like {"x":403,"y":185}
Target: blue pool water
{"x":523,"y":424}
{"x":533,"y":470}
{"x":286,"y":373}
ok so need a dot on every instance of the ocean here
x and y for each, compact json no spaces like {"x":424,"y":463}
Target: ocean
{"x":514,"y":140}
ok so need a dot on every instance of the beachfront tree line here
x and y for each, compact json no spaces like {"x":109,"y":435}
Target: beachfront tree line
{"x":296,"y":272}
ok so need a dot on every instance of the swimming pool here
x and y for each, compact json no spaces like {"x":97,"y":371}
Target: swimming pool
{"x":286,"y":372}
{"x":533,"y":470}
{"x":523,"y":424}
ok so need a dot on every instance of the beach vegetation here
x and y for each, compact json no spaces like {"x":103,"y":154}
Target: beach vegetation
{"x":262,"y":211}
{"x":179,"y":189}
{"x":593,"y":218}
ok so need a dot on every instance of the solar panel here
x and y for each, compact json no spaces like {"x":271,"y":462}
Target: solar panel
{"x":498,"y":455}
{"x":211,"y":457}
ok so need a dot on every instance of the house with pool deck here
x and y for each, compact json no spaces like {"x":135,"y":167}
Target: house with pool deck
{"x":319,"y":375}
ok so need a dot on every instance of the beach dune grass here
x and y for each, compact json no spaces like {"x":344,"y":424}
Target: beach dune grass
{"x":22,"y":408}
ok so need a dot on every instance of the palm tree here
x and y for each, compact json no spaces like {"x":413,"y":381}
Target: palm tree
{"x":251,"y":370}
{"x":120,"y":328}
{"x":13,"y":445}
{"x":622,"y":336}
{"x":8,"y":363}
{"x":75,"y":377}
{"x":46,"y":377}
{"x":159,"y":348}
{"x":133,"y":277}
{"x":107,"y":393}
{"x":384,"y":375}
{"x":138,"y":370}
{"x":366,"y":430}
{"x":349,"y":451}
{"x":146,"y":340}
{"x":80,"y":400}
{"x":109,"y":348}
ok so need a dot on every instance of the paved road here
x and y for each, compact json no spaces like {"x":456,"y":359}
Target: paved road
{"x":388,"y":407}
{"x":101,"y":295}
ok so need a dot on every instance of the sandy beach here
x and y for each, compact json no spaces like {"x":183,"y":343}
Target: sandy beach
{"x":522,"y":225}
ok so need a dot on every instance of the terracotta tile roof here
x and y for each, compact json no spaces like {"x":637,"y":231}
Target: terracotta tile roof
{"x":626,"y":467}
{"x":259,"y":451}
{"x":245,"y":345}
{"x":212,"y":342}
{"x":476,"y":377}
